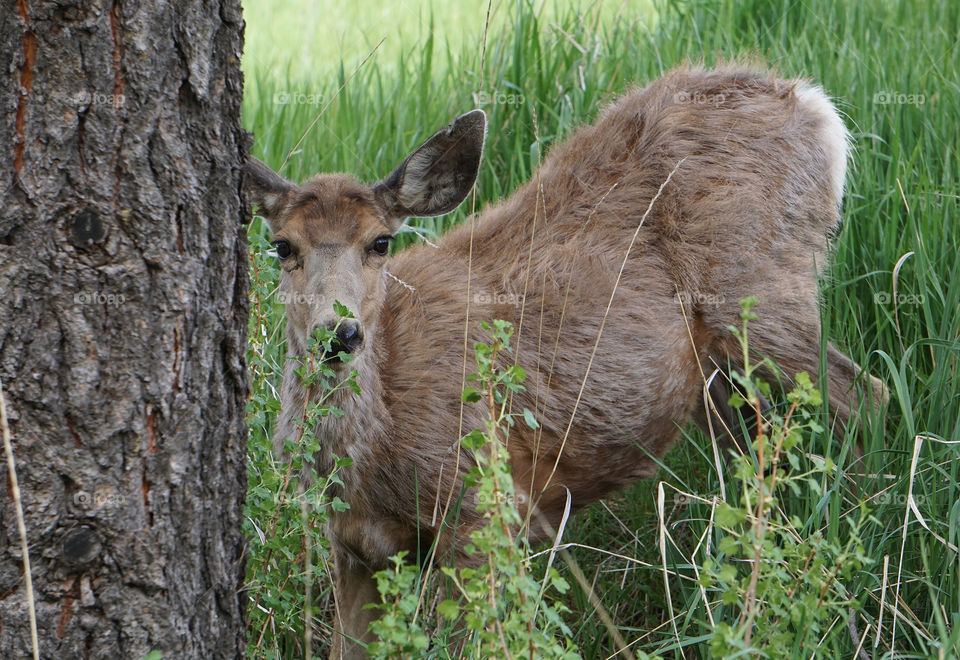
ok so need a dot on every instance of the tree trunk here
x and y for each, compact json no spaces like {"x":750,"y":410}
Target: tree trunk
{"x":123,"y":315}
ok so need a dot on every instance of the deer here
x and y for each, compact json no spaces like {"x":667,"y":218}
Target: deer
{"x":703,"y":188}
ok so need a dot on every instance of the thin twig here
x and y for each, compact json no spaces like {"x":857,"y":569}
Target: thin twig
{"x":324,"y":108}
{"x":21,"y":527}
{"x":463,"y":373}
{"x":308,"y":570}
{"x":603,"y":321}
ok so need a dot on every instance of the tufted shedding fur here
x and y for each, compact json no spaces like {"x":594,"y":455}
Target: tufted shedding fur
{"x":759,"y":168}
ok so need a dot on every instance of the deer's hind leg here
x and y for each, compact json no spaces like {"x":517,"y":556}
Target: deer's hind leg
{"x":787,"y":330}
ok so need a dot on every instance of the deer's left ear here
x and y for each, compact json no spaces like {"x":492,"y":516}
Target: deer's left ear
{"x":439,"y":175}
{"x":267,"y":189}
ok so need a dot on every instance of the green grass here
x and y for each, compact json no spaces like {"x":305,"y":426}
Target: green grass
{"x":566,"y":64}
{"x":306,"y":41}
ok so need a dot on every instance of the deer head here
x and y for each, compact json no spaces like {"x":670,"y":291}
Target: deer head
{"x":332,"y":234}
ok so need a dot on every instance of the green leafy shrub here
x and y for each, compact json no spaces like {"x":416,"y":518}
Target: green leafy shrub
{"x":780,"y":587}
{"x":507,"y":611}
{"x":288,"y":504}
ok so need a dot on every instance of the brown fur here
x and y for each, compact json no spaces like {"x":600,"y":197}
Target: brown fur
{"x":747,"y":213}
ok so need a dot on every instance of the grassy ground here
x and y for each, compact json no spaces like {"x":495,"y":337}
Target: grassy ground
{"x":891,"y":302}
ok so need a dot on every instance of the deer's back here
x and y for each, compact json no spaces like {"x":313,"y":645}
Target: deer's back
{"x":758,"y":166}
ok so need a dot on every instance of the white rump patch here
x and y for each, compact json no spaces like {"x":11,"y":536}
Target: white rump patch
{"x":834,"y":136}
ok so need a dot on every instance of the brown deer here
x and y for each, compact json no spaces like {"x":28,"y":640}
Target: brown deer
{"x":726,"y":183}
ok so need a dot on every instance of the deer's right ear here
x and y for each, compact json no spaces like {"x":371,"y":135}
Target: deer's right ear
{"x":267,"y":189}
{"x":439,"y":175}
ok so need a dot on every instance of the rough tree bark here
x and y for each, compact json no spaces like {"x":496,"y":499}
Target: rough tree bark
{"x":123,"y":288}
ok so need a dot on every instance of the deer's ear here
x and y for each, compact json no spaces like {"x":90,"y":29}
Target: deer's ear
{"x":268,"y":190}
{"x":439,"y":175}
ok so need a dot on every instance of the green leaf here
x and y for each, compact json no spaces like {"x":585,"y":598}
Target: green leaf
{"x":558,"y":583}
{"x":530,"y":419}
{"x":727,"y":516}
{"x":729,"y":546}
{"x":473,"y":440}
{"x":736,"y":400}
{"x":470,"y":395}
{"x":449,"y":609}
{"x":794,"y":461}
{"x":341,"y":310}
{"x":727,"y":573}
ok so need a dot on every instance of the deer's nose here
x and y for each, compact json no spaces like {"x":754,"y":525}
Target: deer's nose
{"x":349,"y":336}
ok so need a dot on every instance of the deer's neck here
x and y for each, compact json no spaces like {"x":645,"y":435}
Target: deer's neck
{"x":355,"y":432}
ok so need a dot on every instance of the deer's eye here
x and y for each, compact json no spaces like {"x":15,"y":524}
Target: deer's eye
{"x":283,"y":249}
{"x":381,"y":245}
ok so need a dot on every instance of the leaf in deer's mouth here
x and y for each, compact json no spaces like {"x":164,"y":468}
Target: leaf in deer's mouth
{"x":333,"y":355}
{"x":337,"y":354}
